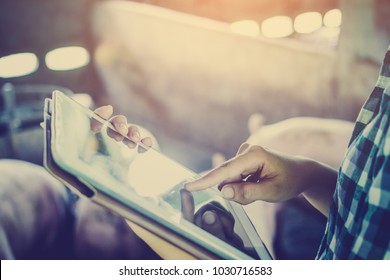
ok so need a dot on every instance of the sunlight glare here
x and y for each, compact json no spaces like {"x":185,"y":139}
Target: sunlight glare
{"x":277,"y":27}
{"x":333,"y":18}
{"x":17,"y":65}
{"x":67,"y":58}
{"x":152,"y":174}
{"x":246,"y":27}
{"x":308,"y":22}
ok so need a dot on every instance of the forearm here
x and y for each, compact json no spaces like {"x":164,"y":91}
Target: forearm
{"x":321,"y":184}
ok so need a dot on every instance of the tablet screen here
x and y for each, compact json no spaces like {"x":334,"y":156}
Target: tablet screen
{"x":148,"y":182}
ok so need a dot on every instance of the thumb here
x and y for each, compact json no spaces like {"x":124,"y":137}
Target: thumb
{"x":247,"y":192}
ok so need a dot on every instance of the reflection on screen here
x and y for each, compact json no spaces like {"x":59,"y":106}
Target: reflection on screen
{"x":152,"y":174}
{"x":144,"y":176}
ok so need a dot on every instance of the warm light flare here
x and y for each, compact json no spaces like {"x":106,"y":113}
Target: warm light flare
{"x":308,"y":22}
{"x":246,"y":27}
{"x":152,"y":174}
{"x":67,"y":58}
{"x":277,"y":27}
{"x":333,"y":18}
{"x":17,"y":65}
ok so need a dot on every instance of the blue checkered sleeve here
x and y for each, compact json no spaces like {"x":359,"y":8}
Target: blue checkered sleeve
{"x":359,"y":221}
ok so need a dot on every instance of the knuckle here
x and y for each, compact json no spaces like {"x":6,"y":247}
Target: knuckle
{"x":256,"y":149}
{"x":244,"y":146}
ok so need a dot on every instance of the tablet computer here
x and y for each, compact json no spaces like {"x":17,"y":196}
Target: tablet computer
{"x":145,"y":187}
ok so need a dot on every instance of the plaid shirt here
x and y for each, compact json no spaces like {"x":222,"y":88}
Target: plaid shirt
{"x":359,"y":220}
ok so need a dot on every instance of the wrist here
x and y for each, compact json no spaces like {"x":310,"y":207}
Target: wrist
{"x":320,"y":184}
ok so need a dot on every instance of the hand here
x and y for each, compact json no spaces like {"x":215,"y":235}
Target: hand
{"x":128,"y":134}
{"x":256,"y":173}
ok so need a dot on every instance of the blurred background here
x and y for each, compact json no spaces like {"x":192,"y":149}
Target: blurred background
{"x":194,"y":72}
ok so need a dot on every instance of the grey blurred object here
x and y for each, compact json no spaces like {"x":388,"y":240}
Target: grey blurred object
{"x":21,"y":111}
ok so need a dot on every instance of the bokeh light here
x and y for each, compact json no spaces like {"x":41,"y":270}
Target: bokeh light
{"x":277,"y":27}
{"x":308,"y":22}
{"x":67,"y":58}
{"x":17,"y":65}
{"x":246,"y":27}
{"x":333,"y":18}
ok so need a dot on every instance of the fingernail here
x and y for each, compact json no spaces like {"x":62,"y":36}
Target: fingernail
{"x":107,"y":108}
{"x":228,"y":192}
{"x":122,"y":129}
{"x":136,"y":136}
{"x":209,"y":218}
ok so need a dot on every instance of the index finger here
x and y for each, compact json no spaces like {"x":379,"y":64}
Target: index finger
{"x":228,"y":172}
